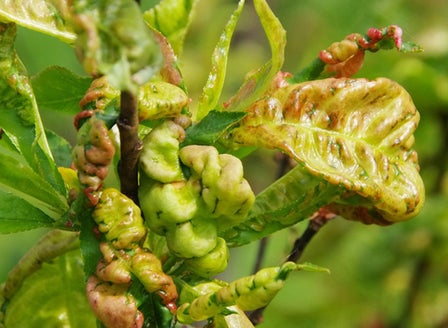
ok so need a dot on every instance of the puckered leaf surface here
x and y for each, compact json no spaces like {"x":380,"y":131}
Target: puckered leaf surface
{"x":47,"y":16}
{"x":353,"y":133}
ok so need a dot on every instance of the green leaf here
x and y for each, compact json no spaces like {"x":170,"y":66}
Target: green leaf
{"x":257,"y":82}
{"x":53,"y":296}
{"x":172,"y":18}
{"x":23,"y":182}
{"x":25,"y":157}
{"x":291,"y":199}
{"x":213,"y":87}
{"x":58,"y":89}
{"x":46,"y":16}
{"x":352,"y":133}
{"x":16,"y":214}
{"x":211,"y":127}
{"x":61,"y":149}
{"x":114,"y":40}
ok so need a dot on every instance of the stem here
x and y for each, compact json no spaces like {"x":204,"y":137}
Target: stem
{"x":131,"y":145}
{"x":316,"y":223}
{"x":50,"y":246}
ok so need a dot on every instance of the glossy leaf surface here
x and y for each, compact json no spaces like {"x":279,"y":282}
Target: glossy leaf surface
{"x":40,"y":303}
{"x":114,"y":40}
{"x":46,"y":16}
{"x":213,"y":87}
{"x":172,"y":18}
{"x":30,"y":177}
{"x":353,"y":133}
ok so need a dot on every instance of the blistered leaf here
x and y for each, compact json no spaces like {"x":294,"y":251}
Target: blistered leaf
{"x":58,"y":89}
{"x":114,"y":40}
{"x":53,"y":296}
{"x":172,"y":18}
{"x":47,"y":16}
{"x":257,"y":82}
{"x":352,"y":133}
{"x":213,"y":87}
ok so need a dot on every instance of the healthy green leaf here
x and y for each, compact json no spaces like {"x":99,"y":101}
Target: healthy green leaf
{"x":16,"y":214}
{"x":213,"y":87}
{"x":291,"y":199}
{"x":211,"y":127}
{"x":19,"y":180}
{"x":54,"y":296}
{"x":114,"y":40}
{"x":257,"y":82}
{"x":352,"y":133}
{"x":61,"y":149}
{"x":58,"y":89}
{"x":29,"y":172}
{"x":172,"y":18}
{"x":46,"y":16}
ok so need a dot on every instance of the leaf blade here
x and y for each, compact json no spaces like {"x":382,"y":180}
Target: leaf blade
{"x":354,"y":133}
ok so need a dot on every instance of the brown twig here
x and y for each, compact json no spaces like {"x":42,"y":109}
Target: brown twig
{"x":130,"y":145}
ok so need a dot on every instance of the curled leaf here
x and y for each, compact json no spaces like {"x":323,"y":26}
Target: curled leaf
{"x":46,"y":16}
{"x":353,"y":133}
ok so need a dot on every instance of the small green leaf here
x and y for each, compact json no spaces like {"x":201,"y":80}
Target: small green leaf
{"x":211,"y":127}
{"x":46,"y":16}
{"x":16,"y":214}
{"x":61,"y":149}
{"x":58,"y":89}
{"x":53,"y":296}
{"x":172,"y":18}
{"x":213,"y":87}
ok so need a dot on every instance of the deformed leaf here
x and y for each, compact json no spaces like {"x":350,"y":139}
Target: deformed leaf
{"x":172,"y":18}
{"x":258,"y":81}
{"x":47,"y":16}
{"x":352,"y":133}
{"x":213,"y":87}
{"x":114,"y":40}
{"x":58,"y":89}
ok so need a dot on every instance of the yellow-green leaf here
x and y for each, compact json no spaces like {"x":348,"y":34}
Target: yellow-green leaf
{"x":354,"y":133}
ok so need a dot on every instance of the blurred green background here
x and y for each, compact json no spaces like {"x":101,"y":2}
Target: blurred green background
{"x":393,"y":276}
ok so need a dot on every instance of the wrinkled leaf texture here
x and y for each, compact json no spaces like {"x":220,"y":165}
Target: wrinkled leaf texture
{"x":356,"y":134}
{"x":51,"y":17}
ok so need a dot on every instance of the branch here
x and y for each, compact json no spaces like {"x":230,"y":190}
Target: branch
{"x":319,"y":219}
{"x":131,"y":145}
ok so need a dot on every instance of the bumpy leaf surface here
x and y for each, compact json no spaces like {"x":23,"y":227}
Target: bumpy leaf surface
{"x":46,"y":16}
{"x":352,"y":133}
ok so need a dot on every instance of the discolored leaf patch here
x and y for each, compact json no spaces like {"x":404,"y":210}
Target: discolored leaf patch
{"x":355,"y":133}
